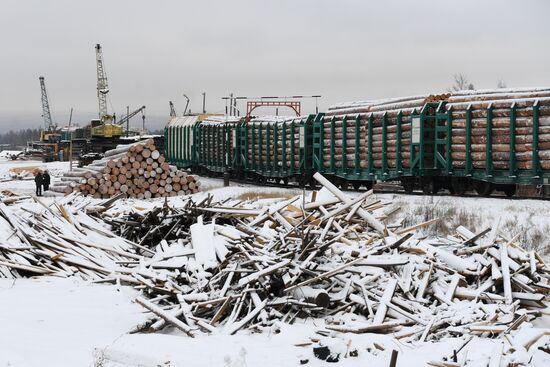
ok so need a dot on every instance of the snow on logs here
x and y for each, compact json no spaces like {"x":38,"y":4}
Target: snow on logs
{"x":463,"y":105}
{"x":138,"y":170}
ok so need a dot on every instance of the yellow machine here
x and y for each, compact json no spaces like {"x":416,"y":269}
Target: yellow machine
{"x":50,"y":137}
{"x":107,"y":130}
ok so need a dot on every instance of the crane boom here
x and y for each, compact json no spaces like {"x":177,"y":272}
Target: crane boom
{"x":102,"y":84}
{"x":125,"y":119}
{"x":172,"y":110}
{"x":46,"y":114}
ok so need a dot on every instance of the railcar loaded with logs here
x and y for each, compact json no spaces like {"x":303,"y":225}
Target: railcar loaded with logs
{"x":483,"y":140}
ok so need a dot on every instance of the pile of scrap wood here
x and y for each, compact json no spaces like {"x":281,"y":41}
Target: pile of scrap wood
{"x":138,"y":170}
{"x":204,"y":266}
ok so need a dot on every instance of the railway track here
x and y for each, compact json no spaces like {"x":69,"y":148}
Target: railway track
{"x":379,"y":188}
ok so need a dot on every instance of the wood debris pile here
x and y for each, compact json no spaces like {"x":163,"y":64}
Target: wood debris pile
{"x":138,"y":170}
{"x":204,"y":266}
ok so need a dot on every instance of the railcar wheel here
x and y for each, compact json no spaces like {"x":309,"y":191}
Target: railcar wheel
{"x":428,"y":186}
{"x":356,"y":185}
{"x":509,"y":190}
{"x":344,"y":184}
{"x":369,"y":184}
{"x":483,"y":188}
{"x":285,"y":181}
{"x":436,"y":187}
{"x":408,"y":186}
{"x":459,"y":186}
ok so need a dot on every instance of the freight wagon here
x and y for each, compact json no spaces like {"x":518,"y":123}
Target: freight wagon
{"x":483,"y":140}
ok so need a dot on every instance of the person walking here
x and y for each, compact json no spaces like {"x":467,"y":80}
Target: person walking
{"x":38,"y":181}
{"x":46,"y":181}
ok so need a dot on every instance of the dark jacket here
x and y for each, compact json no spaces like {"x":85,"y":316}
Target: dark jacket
{"x":38,"y":179}
{"x":46,"y":179}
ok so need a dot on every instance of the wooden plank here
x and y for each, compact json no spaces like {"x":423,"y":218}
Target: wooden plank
{"x":164,"y":315}
{"x":505,"y":269}
{"x":386,"y":298}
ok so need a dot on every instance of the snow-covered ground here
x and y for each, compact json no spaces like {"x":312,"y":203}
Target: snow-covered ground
{"x":58,"y":322}
{"x":24,"y":184}
{"x":64,"y":322}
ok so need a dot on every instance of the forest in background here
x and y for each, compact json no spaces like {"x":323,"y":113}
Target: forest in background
{"x":19,"y":138}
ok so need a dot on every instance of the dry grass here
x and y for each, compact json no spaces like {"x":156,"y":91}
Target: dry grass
{"x":534,"y":236}
{"x":449,"y":217}
{"x":257,"y":195}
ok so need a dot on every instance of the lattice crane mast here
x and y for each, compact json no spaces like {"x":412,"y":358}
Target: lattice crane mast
{"x":102,"y":86}
{"x":46,"y":114}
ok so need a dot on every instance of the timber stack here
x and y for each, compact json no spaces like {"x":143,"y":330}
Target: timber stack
{"x":503,"y":110}
{"x":137,"y":170}
{"x":269,"y":141}
{"x":274,"y":141}
{"x":490,"y":113}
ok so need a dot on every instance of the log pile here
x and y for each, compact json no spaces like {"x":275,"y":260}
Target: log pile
{"x":137,"y":170}
{"x":284,"y":142}
{"x":204,"y":266}
{"x":501,"y":102}
{"x":216,"y":141}
{"x":391,"y":110}
{"x":266,"y":146}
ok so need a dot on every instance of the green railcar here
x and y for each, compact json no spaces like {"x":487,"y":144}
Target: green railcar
{"x":276,"y":149}
{"x":179,"y":141}
{"x":215,"y":145}
{"x":434,"y":147}
{"x":482,"y":141}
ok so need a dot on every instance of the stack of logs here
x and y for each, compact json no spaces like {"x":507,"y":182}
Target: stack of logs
{"x":137,"y":170}
{"x":281,"y":153}
{"x":391,"y":109}
{"x":501,"y":103}
{"x":265,"y":148}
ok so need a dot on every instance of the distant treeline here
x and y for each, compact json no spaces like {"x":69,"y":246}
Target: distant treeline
{"x":19,"y":138}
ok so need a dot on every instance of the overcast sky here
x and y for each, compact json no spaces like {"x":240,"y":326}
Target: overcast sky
{"x":342,"y":49}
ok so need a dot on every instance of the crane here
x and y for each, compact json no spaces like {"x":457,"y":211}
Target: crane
{"x":46,"y":114}
{"x":172,"y":109}
{"x":126,"y":119}
{"x":186,"y":105}
{"x":50,"y":137}
{"x":102,"y":85}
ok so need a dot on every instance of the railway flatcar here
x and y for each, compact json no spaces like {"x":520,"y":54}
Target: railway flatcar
{"x":488,"y":140}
